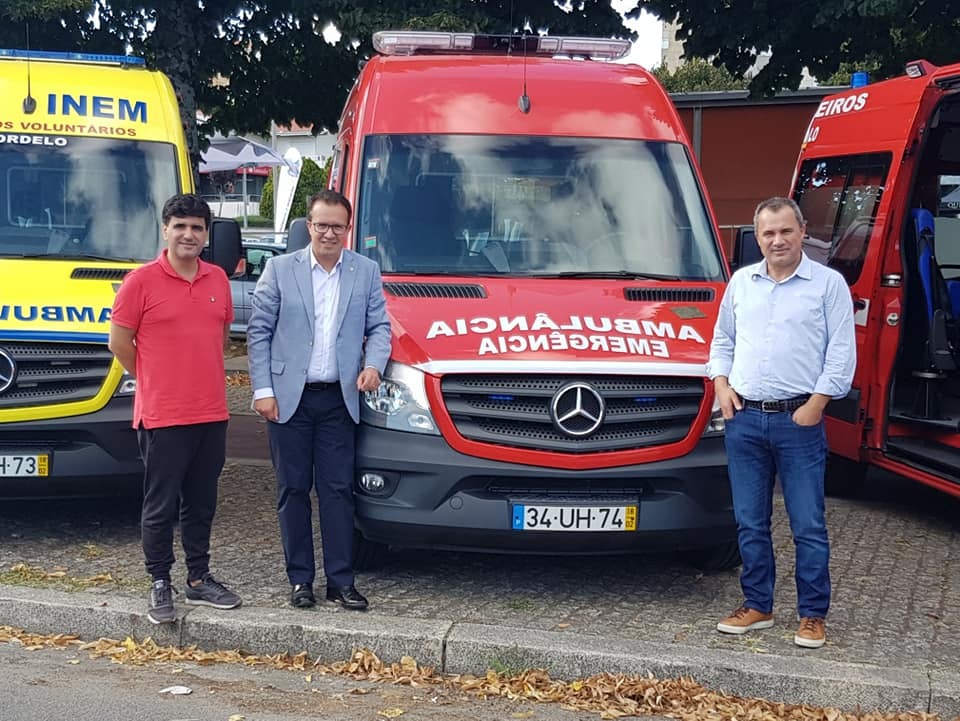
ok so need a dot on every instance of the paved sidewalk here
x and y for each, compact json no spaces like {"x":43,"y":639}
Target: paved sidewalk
{"x":892,"y":633}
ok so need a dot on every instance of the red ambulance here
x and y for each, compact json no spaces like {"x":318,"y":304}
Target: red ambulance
{"x":552,"y":272}
{"x":878,"y":180}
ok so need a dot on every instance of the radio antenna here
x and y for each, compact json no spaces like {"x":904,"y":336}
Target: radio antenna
{"x":29,"y":104}
{"x":524,"y":101}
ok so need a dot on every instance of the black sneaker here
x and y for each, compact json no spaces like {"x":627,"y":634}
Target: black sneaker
{"x":161,"y":603}
{"x":212,"y":593}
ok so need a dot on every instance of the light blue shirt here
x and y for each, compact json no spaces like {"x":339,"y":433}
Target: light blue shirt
{"x":777,"y":340}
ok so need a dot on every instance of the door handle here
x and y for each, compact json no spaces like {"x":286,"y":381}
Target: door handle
{"x":859,"y":304}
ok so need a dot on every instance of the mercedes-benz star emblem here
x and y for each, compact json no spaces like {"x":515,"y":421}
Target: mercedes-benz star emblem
{"x":8,"y":371}
{"x":577,"y":409}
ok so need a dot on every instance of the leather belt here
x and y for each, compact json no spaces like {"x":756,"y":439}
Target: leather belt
{"x":781,"y":406}
{"x":320,"y":385}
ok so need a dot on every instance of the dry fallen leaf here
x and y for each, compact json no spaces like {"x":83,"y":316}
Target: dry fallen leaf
{"x":610,"y":696}
{"x":236,"y":717}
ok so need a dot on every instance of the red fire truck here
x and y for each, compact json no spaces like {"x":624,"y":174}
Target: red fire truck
{"x":878,"y":180}
{"x":553,"y":272}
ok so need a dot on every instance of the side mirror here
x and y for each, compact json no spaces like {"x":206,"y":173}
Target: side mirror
{"x":224,"y":247}
{"x":298,"y":237}
{"x":746,"y":250}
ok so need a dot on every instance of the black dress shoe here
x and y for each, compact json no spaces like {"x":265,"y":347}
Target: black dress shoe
{"x":348,"y":597}
{"x":302,"y":596}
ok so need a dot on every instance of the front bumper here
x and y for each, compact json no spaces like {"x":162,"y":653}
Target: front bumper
{"x":443,"y":499}
{"x":90,"y":455}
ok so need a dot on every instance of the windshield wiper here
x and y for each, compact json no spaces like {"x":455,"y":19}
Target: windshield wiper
{"x":624,"y":274}
{"x":82,"y":256}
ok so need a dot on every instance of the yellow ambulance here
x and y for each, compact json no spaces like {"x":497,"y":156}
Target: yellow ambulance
{"x":91,"y":146}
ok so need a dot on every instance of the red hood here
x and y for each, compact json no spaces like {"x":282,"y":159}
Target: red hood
{"x":548,"y":320}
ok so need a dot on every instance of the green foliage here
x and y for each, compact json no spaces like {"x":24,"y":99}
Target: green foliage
{"x":313,"y":179}
{"x":23,"y":10}
{"x":278,"y":64}
{"x":256,"y":221}
{"x":266,"y":197}
{"x":817,"y":35}
{"x":697,"y":75}
{"x":846,"y":71}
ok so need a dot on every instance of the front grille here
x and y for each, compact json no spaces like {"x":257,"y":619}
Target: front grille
{"x":515,"y":410}
{"x":435,"y":290}
{"x":669,"y":295}
{"x":99,"y":273}
{"x":49,"y":373}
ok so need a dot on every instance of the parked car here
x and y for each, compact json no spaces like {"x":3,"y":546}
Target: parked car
{"x":242,"y":283}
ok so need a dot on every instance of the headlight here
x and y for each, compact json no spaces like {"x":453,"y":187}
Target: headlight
{"x":717,"y":425}
{"x":127,"y":387}
{"x":400,"y":403}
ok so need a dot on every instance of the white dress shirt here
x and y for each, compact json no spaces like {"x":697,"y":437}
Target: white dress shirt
{"x":326,"y":296}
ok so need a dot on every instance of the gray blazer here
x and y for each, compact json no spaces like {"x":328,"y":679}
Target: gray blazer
{"x":280,"y":330}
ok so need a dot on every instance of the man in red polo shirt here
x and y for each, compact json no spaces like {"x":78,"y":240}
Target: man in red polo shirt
{"x":169,"y":323}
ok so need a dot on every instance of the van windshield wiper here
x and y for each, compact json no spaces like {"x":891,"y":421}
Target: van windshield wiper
{"x":110,"y":258}
{"x":625,"y":274}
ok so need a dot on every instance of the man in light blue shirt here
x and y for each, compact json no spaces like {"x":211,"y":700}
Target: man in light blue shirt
{"x":783,"y":347}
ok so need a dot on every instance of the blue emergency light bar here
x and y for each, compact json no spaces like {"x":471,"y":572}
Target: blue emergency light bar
{"x":75,"y":57}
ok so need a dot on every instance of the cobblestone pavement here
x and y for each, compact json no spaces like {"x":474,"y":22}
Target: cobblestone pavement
{"x":895,"y":568}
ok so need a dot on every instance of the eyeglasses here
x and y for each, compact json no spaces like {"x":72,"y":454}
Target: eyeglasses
{"x":322,"y":228}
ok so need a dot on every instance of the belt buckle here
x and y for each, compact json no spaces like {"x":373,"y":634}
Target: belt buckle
{"x":771,"y":406}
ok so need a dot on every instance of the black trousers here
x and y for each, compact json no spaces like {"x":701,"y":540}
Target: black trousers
{"x":182,"y":469}
{"x":315,"y":450}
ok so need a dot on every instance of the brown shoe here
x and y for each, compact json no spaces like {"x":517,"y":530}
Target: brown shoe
{"x":745,"y":619}
{"x":812,"y":633}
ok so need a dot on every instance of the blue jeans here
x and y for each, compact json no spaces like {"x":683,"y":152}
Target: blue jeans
{"x":761,"y":446}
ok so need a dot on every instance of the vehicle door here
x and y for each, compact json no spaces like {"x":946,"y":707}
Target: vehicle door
{"x":256,"y":260}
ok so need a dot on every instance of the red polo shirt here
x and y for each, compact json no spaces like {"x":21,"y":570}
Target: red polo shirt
{"x":179,"y":328}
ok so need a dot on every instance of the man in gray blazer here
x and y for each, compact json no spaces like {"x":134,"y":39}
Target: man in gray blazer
{"x":318,"y":336}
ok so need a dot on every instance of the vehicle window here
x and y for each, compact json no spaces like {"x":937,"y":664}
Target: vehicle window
{"x":84,"y":197}
{"x":256,"y":261}
{"x":839,"y":198}
{"x":535,"y":206}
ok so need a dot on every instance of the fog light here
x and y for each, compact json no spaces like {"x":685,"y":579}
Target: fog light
{"x":373,"y":483}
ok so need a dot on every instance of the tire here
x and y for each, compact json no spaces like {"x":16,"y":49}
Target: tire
{"x":715,"y":559}
{"x":367,"y":555}
{"x":844,"y":478}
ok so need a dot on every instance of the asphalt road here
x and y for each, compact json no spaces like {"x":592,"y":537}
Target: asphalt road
{"x":67,"y":685}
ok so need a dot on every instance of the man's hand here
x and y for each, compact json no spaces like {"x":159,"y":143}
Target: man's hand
{"x":267,"y":407}
{"x":811,"y":412}
{"x":368,"y":380}
{"x":730,"y":402}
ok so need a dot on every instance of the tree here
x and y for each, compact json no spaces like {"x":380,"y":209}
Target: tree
{"x":818,"y":35}
{"x":697,"y":75}
{"x":273,"y":53}
{"x":26,"y":10}
{"x":312,"y":179}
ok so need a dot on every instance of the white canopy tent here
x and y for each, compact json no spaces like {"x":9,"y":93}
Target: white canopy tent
{"x":235,"y":153}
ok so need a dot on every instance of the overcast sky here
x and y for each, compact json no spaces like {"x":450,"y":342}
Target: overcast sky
{"x":646,"y":51}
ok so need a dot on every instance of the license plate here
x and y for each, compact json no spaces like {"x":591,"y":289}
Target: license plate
{"x":574,"y":518}
{"x":25,"y":465}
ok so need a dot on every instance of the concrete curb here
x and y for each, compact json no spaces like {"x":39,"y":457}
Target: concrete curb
{"x":472,"y":648}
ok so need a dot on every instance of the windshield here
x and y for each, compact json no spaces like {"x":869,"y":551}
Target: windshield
{"x":533,"y":206}
{"x":66,"y":197}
